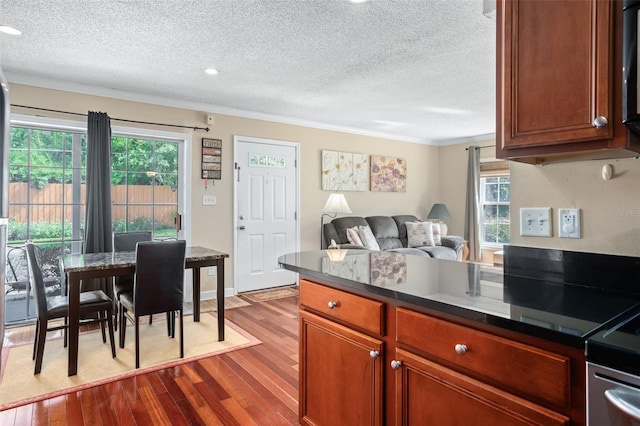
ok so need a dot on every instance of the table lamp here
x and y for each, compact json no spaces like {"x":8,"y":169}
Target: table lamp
{"x":439,"y":212}
{"x":336,"y":255}
{"x":336,"y":203}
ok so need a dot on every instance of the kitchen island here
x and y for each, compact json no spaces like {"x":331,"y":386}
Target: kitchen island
{"x":387,"y":338}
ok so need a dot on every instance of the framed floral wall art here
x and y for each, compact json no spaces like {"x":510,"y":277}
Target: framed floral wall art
{"x":344,"y":171}
{"x":388,"y":174}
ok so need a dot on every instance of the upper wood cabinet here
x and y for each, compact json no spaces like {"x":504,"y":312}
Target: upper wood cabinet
{"x":559,"y":88}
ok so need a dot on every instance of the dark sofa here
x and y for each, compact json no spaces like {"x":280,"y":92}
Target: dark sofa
{"x":391,"y":234}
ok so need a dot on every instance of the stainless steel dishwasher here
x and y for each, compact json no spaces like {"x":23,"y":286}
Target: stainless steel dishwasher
{"x":613,"y":375}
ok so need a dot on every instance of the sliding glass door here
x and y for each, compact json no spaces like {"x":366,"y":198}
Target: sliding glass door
{"x":47,"y":196}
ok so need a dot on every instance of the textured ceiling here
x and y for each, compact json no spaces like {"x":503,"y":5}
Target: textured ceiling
{"x":417,"y":70}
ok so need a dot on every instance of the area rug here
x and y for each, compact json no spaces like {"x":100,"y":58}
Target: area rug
{"x":96,"y":366}
{"x":271,"y":294}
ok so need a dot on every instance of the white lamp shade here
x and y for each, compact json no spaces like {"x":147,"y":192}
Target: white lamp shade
{"x":336,"y":255}
{"x":336,"y":203}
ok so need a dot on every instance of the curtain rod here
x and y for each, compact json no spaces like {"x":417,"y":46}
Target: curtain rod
{"x":114,"y":119}
{"x":480,"y":147}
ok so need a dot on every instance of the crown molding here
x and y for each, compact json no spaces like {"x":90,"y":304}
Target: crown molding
{"x":46,"y":83}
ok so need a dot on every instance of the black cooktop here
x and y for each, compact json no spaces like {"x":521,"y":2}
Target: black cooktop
{"x":601,"y":287}
{"x":618,"y":345}
{"x":576,"y":310}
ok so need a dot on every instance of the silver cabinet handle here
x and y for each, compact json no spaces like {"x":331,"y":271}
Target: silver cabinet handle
{"x":374,"y":354}
{"x":461,"y":349}
{"x":625,"y":402}
{"x":332,"y":304}
{"x":600,"y":121}
{"x":395,"y":364}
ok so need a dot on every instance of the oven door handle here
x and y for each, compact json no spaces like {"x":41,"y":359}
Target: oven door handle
{"x":628,"y":403}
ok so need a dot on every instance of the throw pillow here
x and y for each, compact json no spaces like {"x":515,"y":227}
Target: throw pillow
{"x":437,"y":234}
{"x":367,"y":238}
{"x":353,"y":237}
{"x":419,"y":234}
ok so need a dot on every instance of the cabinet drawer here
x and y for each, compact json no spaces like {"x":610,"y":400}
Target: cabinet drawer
{"x":358,"y":311}
{"x":533,"y":373}
{"x":436,"y":395}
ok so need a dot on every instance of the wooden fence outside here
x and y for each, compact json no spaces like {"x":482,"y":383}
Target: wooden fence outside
{"x":46,"y":204}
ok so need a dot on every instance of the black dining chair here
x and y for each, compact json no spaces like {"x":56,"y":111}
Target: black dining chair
{"x":157,"y":288}
{"x":125,"y":241}
{"x":57,"y":307}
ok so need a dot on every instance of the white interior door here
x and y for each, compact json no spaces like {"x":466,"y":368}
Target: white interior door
{"x":266,"y":194}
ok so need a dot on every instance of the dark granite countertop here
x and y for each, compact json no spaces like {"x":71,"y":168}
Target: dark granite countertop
{"x":533,"y":304}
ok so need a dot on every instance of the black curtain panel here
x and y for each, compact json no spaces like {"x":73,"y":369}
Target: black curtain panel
{"x":97,"y":235}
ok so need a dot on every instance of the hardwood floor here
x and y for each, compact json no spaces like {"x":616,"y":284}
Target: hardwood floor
{"x":253,"y":386}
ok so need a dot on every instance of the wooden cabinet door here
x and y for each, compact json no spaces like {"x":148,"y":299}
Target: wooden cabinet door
{"x":340,"y":374}
{"x":554,"y":74}
{"x":430,"y":394}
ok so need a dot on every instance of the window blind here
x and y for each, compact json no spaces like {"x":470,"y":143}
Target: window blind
{"x":494,"y":168}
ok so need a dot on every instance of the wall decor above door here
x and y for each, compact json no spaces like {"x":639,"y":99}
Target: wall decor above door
{"x":211,"y":158}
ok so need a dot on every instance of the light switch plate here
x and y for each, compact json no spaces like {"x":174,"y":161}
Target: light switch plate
{"x":569,"y":223}
{"x":208,"y":200}
{"x":535,"y":222}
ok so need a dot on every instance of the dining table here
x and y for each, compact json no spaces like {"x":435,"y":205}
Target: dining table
{"x":78,"y":267}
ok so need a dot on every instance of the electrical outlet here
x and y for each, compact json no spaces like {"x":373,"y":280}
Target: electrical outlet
{"x":569,"y":223}
{"x":211,"y":270}
{"x":535,"y":222}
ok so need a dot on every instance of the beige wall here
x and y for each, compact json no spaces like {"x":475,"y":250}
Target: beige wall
{"x":610,"y":210}
{"x":212,"y":226}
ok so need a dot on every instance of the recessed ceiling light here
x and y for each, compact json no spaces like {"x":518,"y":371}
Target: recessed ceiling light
{"x":211,"y":71}
{"x":358,"y":1}
{"x":9,"y":30}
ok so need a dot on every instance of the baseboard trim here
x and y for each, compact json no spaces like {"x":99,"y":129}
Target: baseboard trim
{"x":211,"y":294}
